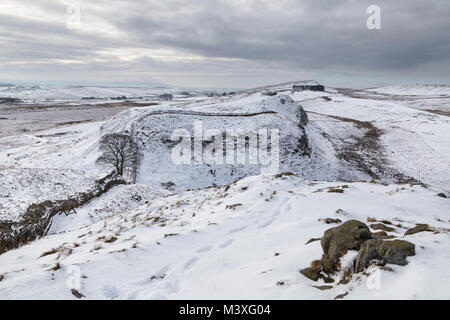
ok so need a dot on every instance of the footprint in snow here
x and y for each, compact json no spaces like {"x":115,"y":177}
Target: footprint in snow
{"x":226,"y":244}
{"x":204,"y":249}
{"x":237,"y":229}
{"x":265,"y":224}
{"x":288,"y":207}
{"x":190,"y":263}
{"x":110,"y":292}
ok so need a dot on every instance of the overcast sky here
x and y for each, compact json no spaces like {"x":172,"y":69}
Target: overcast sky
{"x":224,"y":43}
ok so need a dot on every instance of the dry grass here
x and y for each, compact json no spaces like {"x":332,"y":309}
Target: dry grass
{"x":49,"y":252}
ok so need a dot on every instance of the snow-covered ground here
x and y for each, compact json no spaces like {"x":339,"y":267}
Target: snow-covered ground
{"x":239,"y":242}
{"x":94,"y":94}
{"x":235,"y":240}
{"x":414,"y":90}
{"x":21,"y":187}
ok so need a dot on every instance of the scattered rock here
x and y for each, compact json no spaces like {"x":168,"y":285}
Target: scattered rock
{"x":280,"y":283}
{"x":341,"y":296}
{"x":328,"y":279}
{"x":330,"y":220}
{"x":380,"y":226}
{"x":170,"y":235}
{"x":158,"y":277}
{"x":335,"y":190}
{"x":418,"y":228}
{"x":110,"y":240}
{"x":310,"y":273}
{"x":323,"y":287}
{"x":233,"y":206}
{"x":313,"y":272}
{"x":1,"y":277}
{"x":338,"y":240}
{"x":369,"y":219}
{"x":442,"y":195}
{"x":77,"y":294}
{"x":393,"y":252}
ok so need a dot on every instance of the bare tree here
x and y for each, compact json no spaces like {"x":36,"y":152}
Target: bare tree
{"x":119,"y":151}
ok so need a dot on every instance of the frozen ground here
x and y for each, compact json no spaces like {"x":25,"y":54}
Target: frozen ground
{"x":46,"y":107}
{"x":246,"y":240}
{"x":26,"y":119}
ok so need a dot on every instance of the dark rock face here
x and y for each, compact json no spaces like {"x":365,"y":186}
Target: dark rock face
{"x":394,"y":252}
{"x":418,"y":228}
{"x":337,"y":241}
{"x":38,"y":217}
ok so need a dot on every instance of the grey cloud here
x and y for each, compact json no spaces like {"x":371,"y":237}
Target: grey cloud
{"x":323,"y":37}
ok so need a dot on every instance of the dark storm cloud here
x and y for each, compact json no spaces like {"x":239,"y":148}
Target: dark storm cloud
{"x":251,"y":38}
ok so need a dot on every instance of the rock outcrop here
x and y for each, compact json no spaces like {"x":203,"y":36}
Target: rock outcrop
{"x":337,"y":241}
{"x":355,"y":235}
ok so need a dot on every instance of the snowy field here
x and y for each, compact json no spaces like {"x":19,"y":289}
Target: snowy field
{"x":209,"y":237}
{"x":245,"y":241}
{"x":46,"y":107}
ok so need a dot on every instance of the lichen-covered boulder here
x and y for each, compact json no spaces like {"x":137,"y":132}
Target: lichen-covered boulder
{"x":338,"y":240}
{"x":394,"y":252}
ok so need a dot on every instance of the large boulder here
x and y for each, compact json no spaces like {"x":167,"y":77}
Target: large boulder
{"x":337,"y":241}
{"x":394,"y":252}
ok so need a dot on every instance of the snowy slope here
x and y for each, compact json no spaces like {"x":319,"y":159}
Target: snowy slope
{"x":415,"y":143}
{"x":246,"y":239}
{"x":239,"y":242}
{"x":153,"y":128}
{"x":414,"y":90}
{"x":21,"y":187}
{"x":47,"y":93}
